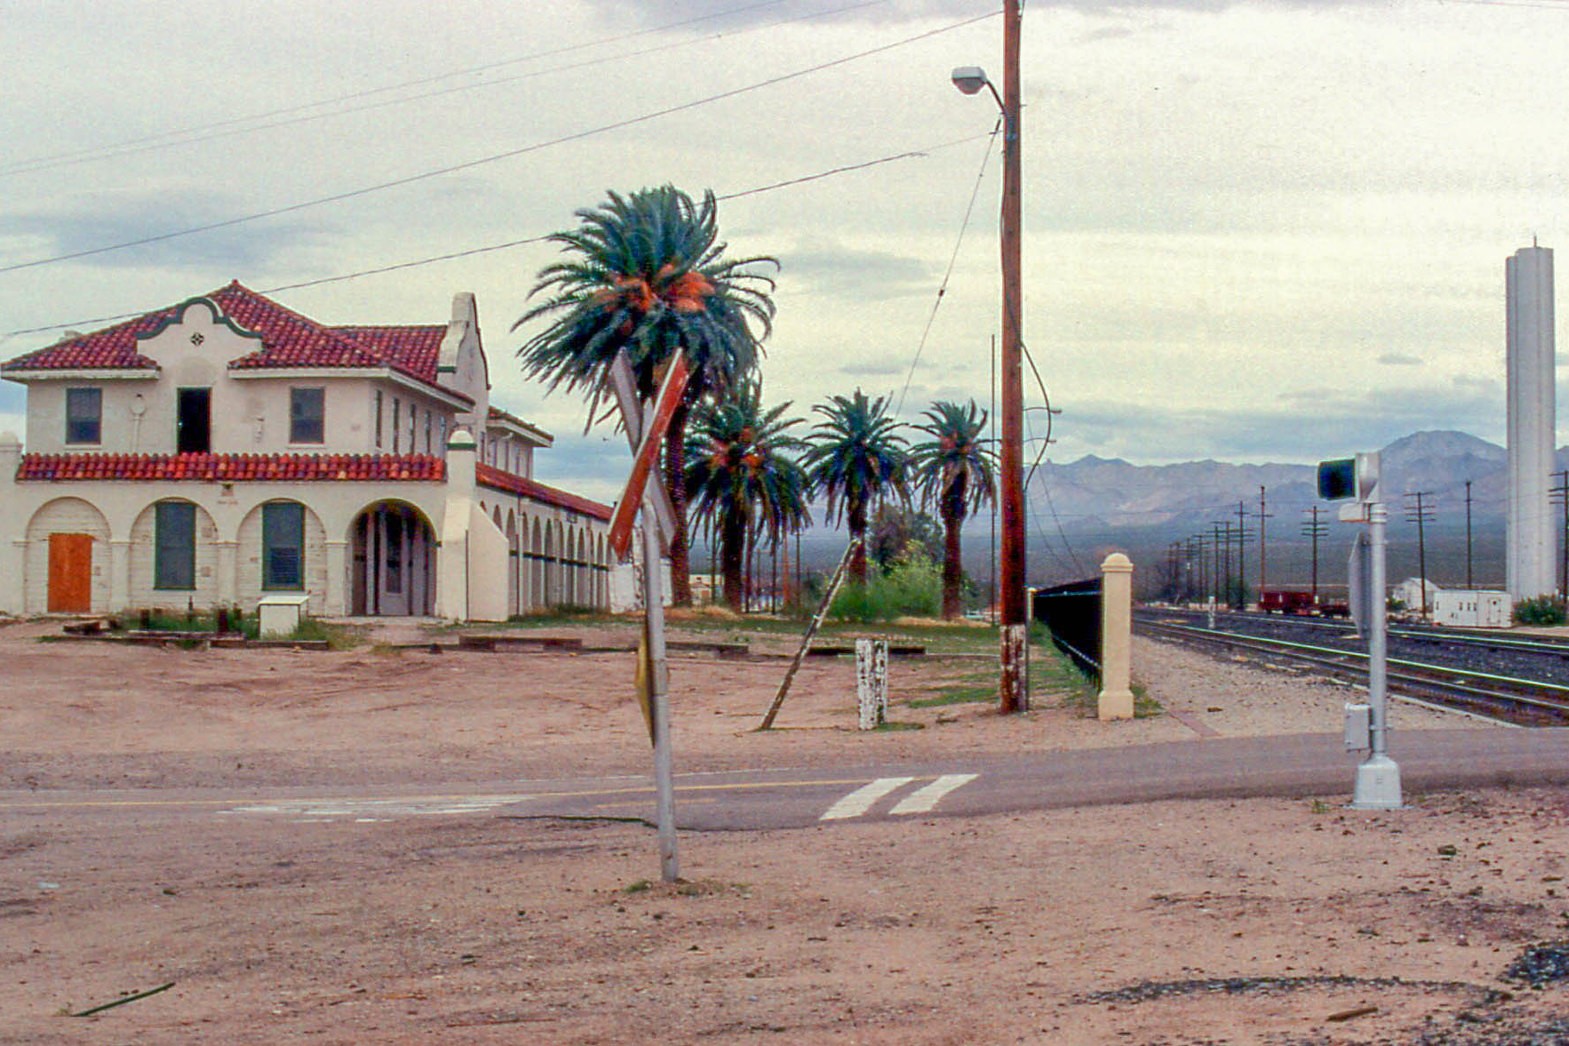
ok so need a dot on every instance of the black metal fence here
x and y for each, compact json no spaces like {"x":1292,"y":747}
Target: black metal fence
{"x":1072,"y":613}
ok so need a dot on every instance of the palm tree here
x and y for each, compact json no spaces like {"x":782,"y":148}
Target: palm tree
{"x":856,"y":457}
{"x":743,"y":477}
{"x":646,"y":275}
{"x":957,"y":473}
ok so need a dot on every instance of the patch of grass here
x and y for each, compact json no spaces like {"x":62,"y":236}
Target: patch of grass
{"x":338,"y":637}
{"x":974,"y":689}
{"x":1144,"y":706}
{"x":890,"y":726}
{"x":640,"y":886}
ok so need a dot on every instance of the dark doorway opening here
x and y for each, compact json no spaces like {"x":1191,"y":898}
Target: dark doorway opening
{"x":193,"y":429}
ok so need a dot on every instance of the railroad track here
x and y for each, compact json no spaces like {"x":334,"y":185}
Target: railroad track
{"x":1505,"y":698}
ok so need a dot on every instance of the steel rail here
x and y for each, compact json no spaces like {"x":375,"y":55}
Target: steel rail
{"x":1545,"y":645}
{"x":1463,"y":684}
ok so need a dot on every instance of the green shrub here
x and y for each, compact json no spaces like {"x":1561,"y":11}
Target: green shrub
{"x":1543,"y":610}
{"x":911,"y":588}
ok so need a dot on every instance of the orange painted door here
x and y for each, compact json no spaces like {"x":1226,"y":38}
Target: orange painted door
{"x":70,"y":573}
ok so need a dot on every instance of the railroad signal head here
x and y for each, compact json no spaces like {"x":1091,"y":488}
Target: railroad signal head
{"x":1345,"y":478}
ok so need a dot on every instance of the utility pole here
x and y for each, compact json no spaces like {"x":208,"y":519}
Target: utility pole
{"x":1420,"y":513}
{"x":1262,"y":516}
{"x":1222,"y":530}
{"x":1013,"y":681}
{"x":1469,"y":584}
{"x":1315,"y":530}
{"x":1560,"y":495}
{"x":1242,"y":555}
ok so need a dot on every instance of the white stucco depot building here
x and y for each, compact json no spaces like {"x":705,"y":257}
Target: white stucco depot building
{"x":227,"y":448}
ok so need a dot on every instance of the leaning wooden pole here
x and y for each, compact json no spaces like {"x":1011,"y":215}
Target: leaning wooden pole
{"x":811,"y":630}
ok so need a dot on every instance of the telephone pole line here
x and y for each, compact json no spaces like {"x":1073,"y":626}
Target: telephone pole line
{"x":1262,"y":516}
{"x":1420,"y":513}
{"x":1314,"y":529}
{"x":1469,"y":584}
{"x":1560,"y":494}
{"x":1242,"y":555}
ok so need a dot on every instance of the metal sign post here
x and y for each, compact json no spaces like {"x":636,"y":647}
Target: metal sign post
{"x":659,"y":698}
{"x":645,"y":431}
{"x":1367,"y":726}
{"x":1378,"y":778}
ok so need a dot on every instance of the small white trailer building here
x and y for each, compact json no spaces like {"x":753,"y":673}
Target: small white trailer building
{"x":1472,"y":608}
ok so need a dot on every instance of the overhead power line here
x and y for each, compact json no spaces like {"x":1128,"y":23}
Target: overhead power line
{"x":374,"y":91}
{"x":296,"y":115}
{"x":488,"y":248}
{"x":494,"y":157}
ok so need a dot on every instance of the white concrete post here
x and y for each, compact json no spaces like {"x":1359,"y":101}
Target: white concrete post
{"x":871,"y":682}
{"x":337,"y":602}
{"x":228,"y":572}
{"x":452,"y":558}
{"x":1116,"y":642}
{"x":13,"y":557}
{"x":119,"y":574}
{"x":13,"y":564}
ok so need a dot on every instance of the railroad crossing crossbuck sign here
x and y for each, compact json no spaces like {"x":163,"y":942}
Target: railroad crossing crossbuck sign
{"x":649,"y":427}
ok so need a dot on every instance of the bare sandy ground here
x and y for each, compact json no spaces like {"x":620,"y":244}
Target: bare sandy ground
{"x":1262,"y":921}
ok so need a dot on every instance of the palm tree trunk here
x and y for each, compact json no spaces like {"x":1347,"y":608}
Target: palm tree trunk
{"x":732,"y":551}
{"x":675,"y":482}
{"x":952,"y":569}
{"x":857,"y":520}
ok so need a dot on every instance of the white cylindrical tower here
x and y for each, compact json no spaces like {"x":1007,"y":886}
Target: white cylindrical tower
{"x":1528,"y":277}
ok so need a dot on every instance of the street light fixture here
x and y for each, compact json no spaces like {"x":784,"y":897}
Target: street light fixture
{"x":1013,"y":685}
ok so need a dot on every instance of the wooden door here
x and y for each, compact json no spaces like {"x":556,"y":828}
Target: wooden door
{"x":70,"y":573}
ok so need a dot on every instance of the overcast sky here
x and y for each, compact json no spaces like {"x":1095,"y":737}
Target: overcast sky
{"x":1253,"y":232}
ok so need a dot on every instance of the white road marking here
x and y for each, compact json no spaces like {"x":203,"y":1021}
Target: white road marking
{"x":369,"y":810}
{"x":922,"y":800}
{"x":859,"y":801}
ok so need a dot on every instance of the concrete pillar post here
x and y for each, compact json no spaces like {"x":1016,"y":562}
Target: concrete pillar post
{"x":13,"y":520}
{"x":13,"y":596}
{"x":337,"y":579}
{"x":119,"y":575}
{"x":228,"y":573}
{"x":1116,"y":644}
{"x":871,"y":682}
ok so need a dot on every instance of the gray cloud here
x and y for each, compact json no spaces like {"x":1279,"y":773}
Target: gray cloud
{"x":849,"y":272}
{"x":1320,"y":423}
{"x":86,"y":222}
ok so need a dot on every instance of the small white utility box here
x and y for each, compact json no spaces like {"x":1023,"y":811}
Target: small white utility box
{"x":280,"y":615}
{"x":1472,"y":608}
{"x":1359,"y":722}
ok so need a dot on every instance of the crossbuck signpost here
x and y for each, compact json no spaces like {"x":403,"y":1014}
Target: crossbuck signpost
{"x":646,"y":428}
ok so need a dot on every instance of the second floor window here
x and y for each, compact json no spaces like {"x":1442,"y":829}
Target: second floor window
{"x":307,"y":415}
{"x":84,"y":412}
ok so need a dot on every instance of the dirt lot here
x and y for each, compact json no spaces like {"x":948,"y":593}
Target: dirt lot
{"x":1259,"y":921}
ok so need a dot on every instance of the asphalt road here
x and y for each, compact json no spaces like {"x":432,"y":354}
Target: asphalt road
{"x":1289,"y":766}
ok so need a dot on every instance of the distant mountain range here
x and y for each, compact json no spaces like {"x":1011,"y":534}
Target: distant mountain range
{"x":1083,"y":510}
{"x":1095,"y":493}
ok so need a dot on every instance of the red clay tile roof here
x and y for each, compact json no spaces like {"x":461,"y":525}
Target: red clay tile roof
{"x":233,"y":468}
{"x":287,"y":339}
{"x":494,"y":478}
{"x":413,"y":350}
{"x":113,"y":348}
